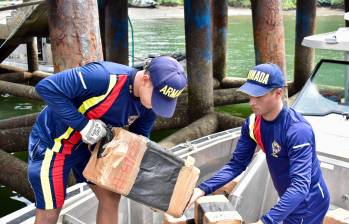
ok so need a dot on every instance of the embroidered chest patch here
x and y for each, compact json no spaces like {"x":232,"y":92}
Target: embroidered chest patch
{"x":131,"y":119}
{"x":276,"y":148}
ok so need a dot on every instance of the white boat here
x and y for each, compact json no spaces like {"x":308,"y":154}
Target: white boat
{"x":143,"y":3}
{"x":324,"y":102}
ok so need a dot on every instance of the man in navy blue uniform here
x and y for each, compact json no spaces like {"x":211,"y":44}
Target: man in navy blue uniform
{"x":80,"y":102}
{"x":288,"y":142}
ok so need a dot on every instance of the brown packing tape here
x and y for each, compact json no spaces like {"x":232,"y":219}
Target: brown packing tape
{"x":226,"y":189}
{"x":337,"y":216}
{"x":186,"y":182}
{"x":118,"y":167}
{"x":222,"y":217}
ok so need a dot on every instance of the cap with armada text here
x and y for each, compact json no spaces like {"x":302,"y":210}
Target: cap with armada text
{"x":262,"y":79}
{"x":169,"y":80}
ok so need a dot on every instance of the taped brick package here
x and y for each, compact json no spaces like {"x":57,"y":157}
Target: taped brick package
{"x":142,"y":170}
{"x":337,"y":216}
{"x":228,"y":188}
{"x":215,"y":209}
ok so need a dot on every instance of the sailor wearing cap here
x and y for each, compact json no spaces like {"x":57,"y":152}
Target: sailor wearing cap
{"x":288,"y":142}
{"x":80,"y":102}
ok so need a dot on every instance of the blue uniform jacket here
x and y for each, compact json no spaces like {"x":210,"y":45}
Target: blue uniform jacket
{"x":98,"y":90}
{"x":289,"y":145}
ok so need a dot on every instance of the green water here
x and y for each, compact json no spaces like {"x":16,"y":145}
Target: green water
{"x":149,"y":38}
{"x":167,"y":36}
{"x":11,"y":106}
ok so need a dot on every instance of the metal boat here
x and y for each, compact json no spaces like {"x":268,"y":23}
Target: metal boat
{"x":210,"y":152}
{"x":324,"y":102}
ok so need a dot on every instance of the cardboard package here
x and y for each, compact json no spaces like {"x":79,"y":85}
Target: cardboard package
{"x":142,"y":170}
{"x":228,"y":188}
{"x":215,"y":209}
{"x":337,"y":216}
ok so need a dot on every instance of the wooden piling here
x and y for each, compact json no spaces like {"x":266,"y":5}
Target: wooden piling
{"x":268,"y":32}
{"x":304,"y":56}
{"x":116,"y":31}
{"x":19,"y":90}
{"x":74,"y":33}
{"x":219,"y":34}
{"x":346,"y":9}
{"x":198,"y":41}
{"x":14,"y":174}
{"x":32,"y":55}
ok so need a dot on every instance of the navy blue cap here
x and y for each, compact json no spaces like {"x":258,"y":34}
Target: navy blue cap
{"x":169,"y":80}
{"x":262,"y":79}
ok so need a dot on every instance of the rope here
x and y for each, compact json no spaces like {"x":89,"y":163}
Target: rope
{"x":132,"y":42}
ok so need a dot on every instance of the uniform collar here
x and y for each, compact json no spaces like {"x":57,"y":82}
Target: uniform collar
{"x":131,"y":84}
{"x":279,"y":116}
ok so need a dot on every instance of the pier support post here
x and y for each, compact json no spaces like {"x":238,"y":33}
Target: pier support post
{"x":32,"y":55}
{"x":268,"y":33}
{"x":346,"y":9}
{"x":219,"y":33}
{"x":14,"y":175}
{"x":198,"y":40}
{"x":304,"y":56}
{"x":74,"y":33}
{"x":116,"y":31}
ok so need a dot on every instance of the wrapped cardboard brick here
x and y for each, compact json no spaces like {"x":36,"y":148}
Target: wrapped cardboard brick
{"x":337,"y":216}
{"x":186,"y":218}
{"x":215,"y":209}
{"x":228,"y":188}
{"x":142,"y":170}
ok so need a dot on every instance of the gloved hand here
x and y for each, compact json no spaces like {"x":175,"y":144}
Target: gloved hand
{"x":93,"y":131}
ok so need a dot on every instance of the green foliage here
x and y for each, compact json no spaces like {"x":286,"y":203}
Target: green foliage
{"x":170,"y":2}
{"x":240,"y":3}
{"x":286,"y":4}
{"x":324,"y":2}
{"x":337,"y":3}
{"x":332,"y":3}
{"x":289,"y":4}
